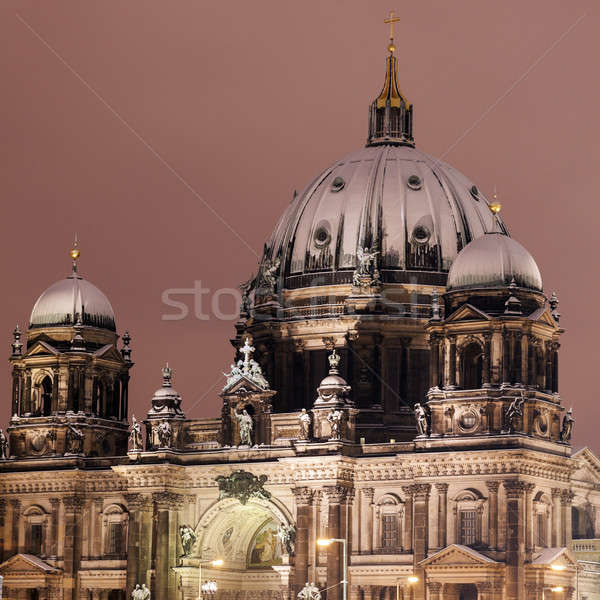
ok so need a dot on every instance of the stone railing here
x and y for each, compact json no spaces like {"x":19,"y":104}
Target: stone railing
{"x":586,"y":549}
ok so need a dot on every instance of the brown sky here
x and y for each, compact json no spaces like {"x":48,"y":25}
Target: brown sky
{"x":123,"y":120}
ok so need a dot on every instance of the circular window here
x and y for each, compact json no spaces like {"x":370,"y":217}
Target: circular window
{"x":468,"y":420}
{"x":415,"y":182}
{"x":475,"y":192}
{"x":421,"y":234}
{"x":322,"y":237}
{"x":337,"y":184}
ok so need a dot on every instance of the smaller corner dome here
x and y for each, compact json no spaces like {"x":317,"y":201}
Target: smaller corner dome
{"x":71,"y":300}
{"x":494,"y":260}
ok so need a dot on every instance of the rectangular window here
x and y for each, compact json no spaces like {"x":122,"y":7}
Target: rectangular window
{"x":542,"y":521}
{"x":468,"y":527}
{"x":115,"y":539}
{"x":389,"y":531}
{"x":35,"y":540}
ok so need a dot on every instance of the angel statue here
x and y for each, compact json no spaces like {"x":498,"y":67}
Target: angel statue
{"x":135,"y":434}
{"x":140,"y":593}
{"x":309,"y":592}
{"x":246,"y":425}
{"x":335,"y":421}
{"x":513,"y":412}
{"x":165,"y":434}
{"x":188,"y":539}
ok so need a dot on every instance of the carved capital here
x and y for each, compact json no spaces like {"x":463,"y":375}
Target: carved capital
{"x":369,"y":494}
{"x":493,"y":486}
{"x":442,"y":488}
{"x":422,"y":491}
{"x":514,"y":488}
{"x":566,"y":497}
{"x":55,"y":503}
{"x":168,"y":500}
{"x":484,"y":586}
{"x":434,"y":587}
{"x":136,"y":501}
{"x":73,"y":503}
{"x":2,"y":507}
{"x":529,"y":487}
{"x":303,"y":496}
{"x":408,"y":490}
{"x":336,"y":494}
{"x":556,"y":492}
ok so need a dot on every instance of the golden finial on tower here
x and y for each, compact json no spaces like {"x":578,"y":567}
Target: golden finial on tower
{"x":75,"y":253}
{"x":391,"y":20}
{"x":495,"y":206}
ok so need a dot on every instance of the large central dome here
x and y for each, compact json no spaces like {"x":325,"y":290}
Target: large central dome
{"x":410,"y":211}
{"x":416,"y":211}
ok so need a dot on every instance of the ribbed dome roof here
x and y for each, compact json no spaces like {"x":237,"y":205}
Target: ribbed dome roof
{"x":416,"y":211}
{"x":494,"y":260}
{"x":70,"y":300}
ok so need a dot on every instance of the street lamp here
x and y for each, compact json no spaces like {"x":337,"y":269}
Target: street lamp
{"x":411,"y":580}
{"x":214,"y":563}
{"x":344,"y":582}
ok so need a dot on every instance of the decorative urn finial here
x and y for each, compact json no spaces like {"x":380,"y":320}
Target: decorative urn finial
{"x":17,"y":345}
{"x":334,"y":361}
{"x":167,"y":374}
{"x":126,"y":349}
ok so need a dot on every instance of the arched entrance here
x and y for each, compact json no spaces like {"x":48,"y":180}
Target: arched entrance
{"x":245,"y":537}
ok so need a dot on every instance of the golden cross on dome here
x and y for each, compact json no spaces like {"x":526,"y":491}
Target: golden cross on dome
{"x":75,"y":253}
{"x":391,"y":20}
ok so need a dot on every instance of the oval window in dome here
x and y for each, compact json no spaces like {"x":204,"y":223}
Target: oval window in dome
{"x":337,"y":184}
{"x":322,"y":237}
{"x":415,"y":182}
{"x":474,"y":192}
{"x":421,"y":234}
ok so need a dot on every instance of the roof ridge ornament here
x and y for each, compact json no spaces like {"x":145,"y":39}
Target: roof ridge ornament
{"x":391,"y":114}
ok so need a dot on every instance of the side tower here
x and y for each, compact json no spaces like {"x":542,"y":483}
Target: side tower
{"x":70,"y":383}
{"x":494,"y":367}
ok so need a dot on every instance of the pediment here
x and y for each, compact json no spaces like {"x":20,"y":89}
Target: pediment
{"x":41,"y":348}
{"x":108,"y":352}
{"x":588,"y":466}
{"x":242,"y":385}
{"x":456,"y":554}
{"x":543,"y":315}
{"x":26,"y":563}
{"x":467,"y":312}
{"x":561,"y":557}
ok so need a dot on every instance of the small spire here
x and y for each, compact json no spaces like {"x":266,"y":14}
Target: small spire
{"x":75,"y":253}
{"x":334,"y":361}
{"x":126,"y":350}
{"x":167,"y":374}
{"x":17,"y":346}
{"x":78,"y":343}
{"x":435,"y":306}
{"x":495,"y":206}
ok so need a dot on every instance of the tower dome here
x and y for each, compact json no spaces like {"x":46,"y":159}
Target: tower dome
{"x":491,"y":261}
{"x":73,"y":300}
{"x":411,"y":210}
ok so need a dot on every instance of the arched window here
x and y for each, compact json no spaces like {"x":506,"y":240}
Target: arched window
{"x":472,"y":366}
{"x":114,"y":524}
{"x":542,"y":511}
{"x":46,"y":396}
{"x":35,"y":520}
{"x":582,"y":522}
{"x":390,"y":512}
{"x":468,"y":513}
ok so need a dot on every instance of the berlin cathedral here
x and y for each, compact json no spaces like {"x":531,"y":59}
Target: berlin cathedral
{"x":391,"y":423}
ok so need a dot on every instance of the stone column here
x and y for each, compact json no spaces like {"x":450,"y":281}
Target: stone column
{"x":421,"y":533}
{"x":15,"y":509}
{"x":548,"y":363}
{"x":506,"y":338}
{"x":556,"y":529}
{"x":366,"y":536}
{"x":407,"y":544}
{"x":2,"y":529}
{"x":515,"y":539}
{"x":518,"y":358}
{"x":55,"y":504}
{"x":72,"y":550}
{"x":95,"y":550}
{"x":452,"y":362}
{"x":566,"y":499}
{"x":487,"y":360}
{"x":336,"y":496}
{"x":434,"y":590}
{"x":434,"y":362}
{"x":493,"y":487}
{"x":139,"y":507}
{"x":529,"y":487}
{"x":303,"y":496}
{"x":442,"y":490}
{"x":555,"y":347}
{"x":167,"y":507}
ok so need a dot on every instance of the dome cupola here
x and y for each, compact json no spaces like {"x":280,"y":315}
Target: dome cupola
{"x":73,"y":301}
{"x":391,"y":115}
{"x":494,"y":260}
